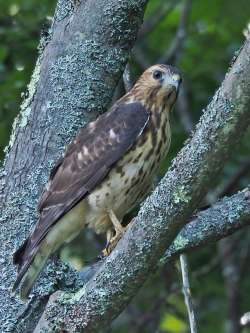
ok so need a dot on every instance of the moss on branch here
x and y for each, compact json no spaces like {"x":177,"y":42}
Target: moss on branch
{"x":78,"y":67}
{"x":164,"y":213}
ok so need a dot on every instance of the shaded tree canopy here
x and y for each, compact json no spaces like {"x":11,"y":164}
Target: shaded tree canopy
{"x":73,"y":81}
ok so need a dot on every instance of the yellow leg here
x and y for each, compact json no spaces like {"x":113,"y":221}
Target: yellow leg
{"x":109,"y":235}
{"x":116,"y":223}
{"x":119,"y":231}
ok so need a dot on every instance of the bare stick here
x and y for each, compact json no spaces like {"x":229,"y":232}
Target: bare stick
{"x":127,"y":80}
{"x":175,"y":48}
{"x":140,"y":57}
{"x":187,"y":293}
{"x":159,"y":14}
{"x":173,"y":52}
{"x":242,"y":171}
{"x":183,"y":110}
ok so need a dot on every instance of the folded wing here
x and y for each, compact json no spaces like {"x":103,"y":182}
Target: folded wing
{"x":87,"y":161}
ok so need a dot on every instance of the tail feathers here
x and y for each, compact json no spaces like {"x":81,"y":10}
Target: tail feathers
{"x":19,"y":254}
{"x":46,"y":238}
{"x":20,"y":275}
{"x":30,"y":271}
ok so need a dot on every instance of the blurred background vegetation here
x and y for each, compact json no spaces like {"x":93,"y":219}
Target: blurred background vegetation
{"x":201,"y":38}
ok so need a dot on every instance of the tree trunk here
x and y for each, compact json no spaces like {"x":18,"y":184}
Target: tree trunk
{"x":163,"y":213}
{"x":78,"y":67}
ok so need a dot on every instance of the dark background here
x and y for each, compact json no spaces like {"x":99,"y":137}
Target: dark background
{"x":212,"y":34}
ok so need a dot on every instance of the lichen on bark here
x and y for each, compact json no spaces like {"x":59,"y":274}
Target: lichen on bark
{"x":165,"y":211}
{"x":79,"y":65}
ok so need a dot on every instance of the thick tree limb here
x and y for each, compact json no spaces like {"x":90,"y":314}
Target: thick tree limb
{"x":222,"y":219}
{"x":164,"y":213}
{"x":208,"y":226}
{"x":78,"y":68}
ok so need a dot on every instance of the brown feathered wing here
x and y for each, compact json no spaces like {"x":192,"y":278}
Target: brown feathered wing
{"x":87,"y":161}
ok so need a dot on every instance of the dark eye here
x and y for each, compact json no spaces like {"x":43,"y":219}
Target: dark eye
{"x":157,"y":75}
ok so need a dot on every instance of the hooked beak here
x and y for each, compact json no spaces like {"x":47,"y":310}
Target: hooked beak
{"x":173,"y":80}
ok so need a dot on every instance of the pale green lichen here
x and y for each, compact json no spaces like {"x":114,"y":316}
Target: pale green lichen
{"x":229,"y":126}
{"x":32,"y":86}
{"x":25,"y":115}
{"x":12,"y":135}
{"x":63,"y":9}
{"x":180,"y":195}
{"x":81,"y":79}
{"x":180,"y":243}
{"x":77,"y":296}
{"x":22,"y":118}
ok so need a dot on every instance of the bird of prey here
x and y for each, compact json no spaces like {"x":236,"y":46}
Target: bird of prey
{"x":104,"y":173}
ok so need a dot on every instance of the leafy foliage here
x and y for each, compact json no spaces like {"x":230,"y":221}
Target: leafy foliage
{"x":213,"y":37}
{"x":20,"y":25}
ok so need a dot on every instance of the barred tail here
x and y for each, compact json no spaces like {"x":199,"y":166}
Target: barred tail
{"x":31,"y":269}
{"x":33,"y":254}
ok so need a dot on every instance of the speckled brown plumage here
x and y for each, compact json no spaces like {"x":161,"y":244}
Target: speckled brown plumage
{"x":105,"y":172}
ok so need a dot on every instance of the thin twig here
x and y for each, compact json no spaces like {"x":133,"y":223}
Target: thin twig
{"x":154,"y":19}
{"x":174,"y":51}
{"x":140,"y":58}
{"x":228,"y":252}
{"x":127,"y":80}
{"x":206,"y":269}
{"x":230,"y":186}
{"x":182,"y":108}
{"x":187,"y":293}
{"x":119,"y":91}
{"x":159,"y":14}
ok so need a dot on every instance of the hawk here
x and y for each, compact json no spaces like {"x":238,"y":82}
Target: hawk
{"x":104,"y":173}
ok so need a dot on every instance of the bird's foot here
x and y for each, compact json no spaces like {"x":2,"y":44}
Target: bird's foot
{"x":115,"y":222}
{"x":113,"y":241}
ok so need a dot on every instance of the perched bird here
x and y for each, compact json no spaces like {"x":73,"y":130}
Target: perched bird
{"x":104,"y":173}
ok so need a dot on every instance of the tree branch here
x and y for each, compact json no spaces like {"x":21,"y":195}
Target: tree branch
{"x":164,"y":213}
{"x":77,"y":70}
{"x":173,"y":52}
{"x":232,"y":182}
{"x":156,"y":17}
{"x":127,"y":80}
{"x":222,"y":219}
{"x":187,"y":293}
{"x":183,"y":109}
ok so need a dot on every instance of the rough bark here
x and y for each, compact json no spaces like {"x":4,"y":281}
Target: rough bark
{"x":223,"y":219}
{"x":79,"y":65}
{"x":163,"y":213}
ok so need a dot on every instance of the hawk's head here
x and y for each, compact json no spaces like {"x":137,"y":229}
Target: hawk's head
{"x":158,"y":85}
